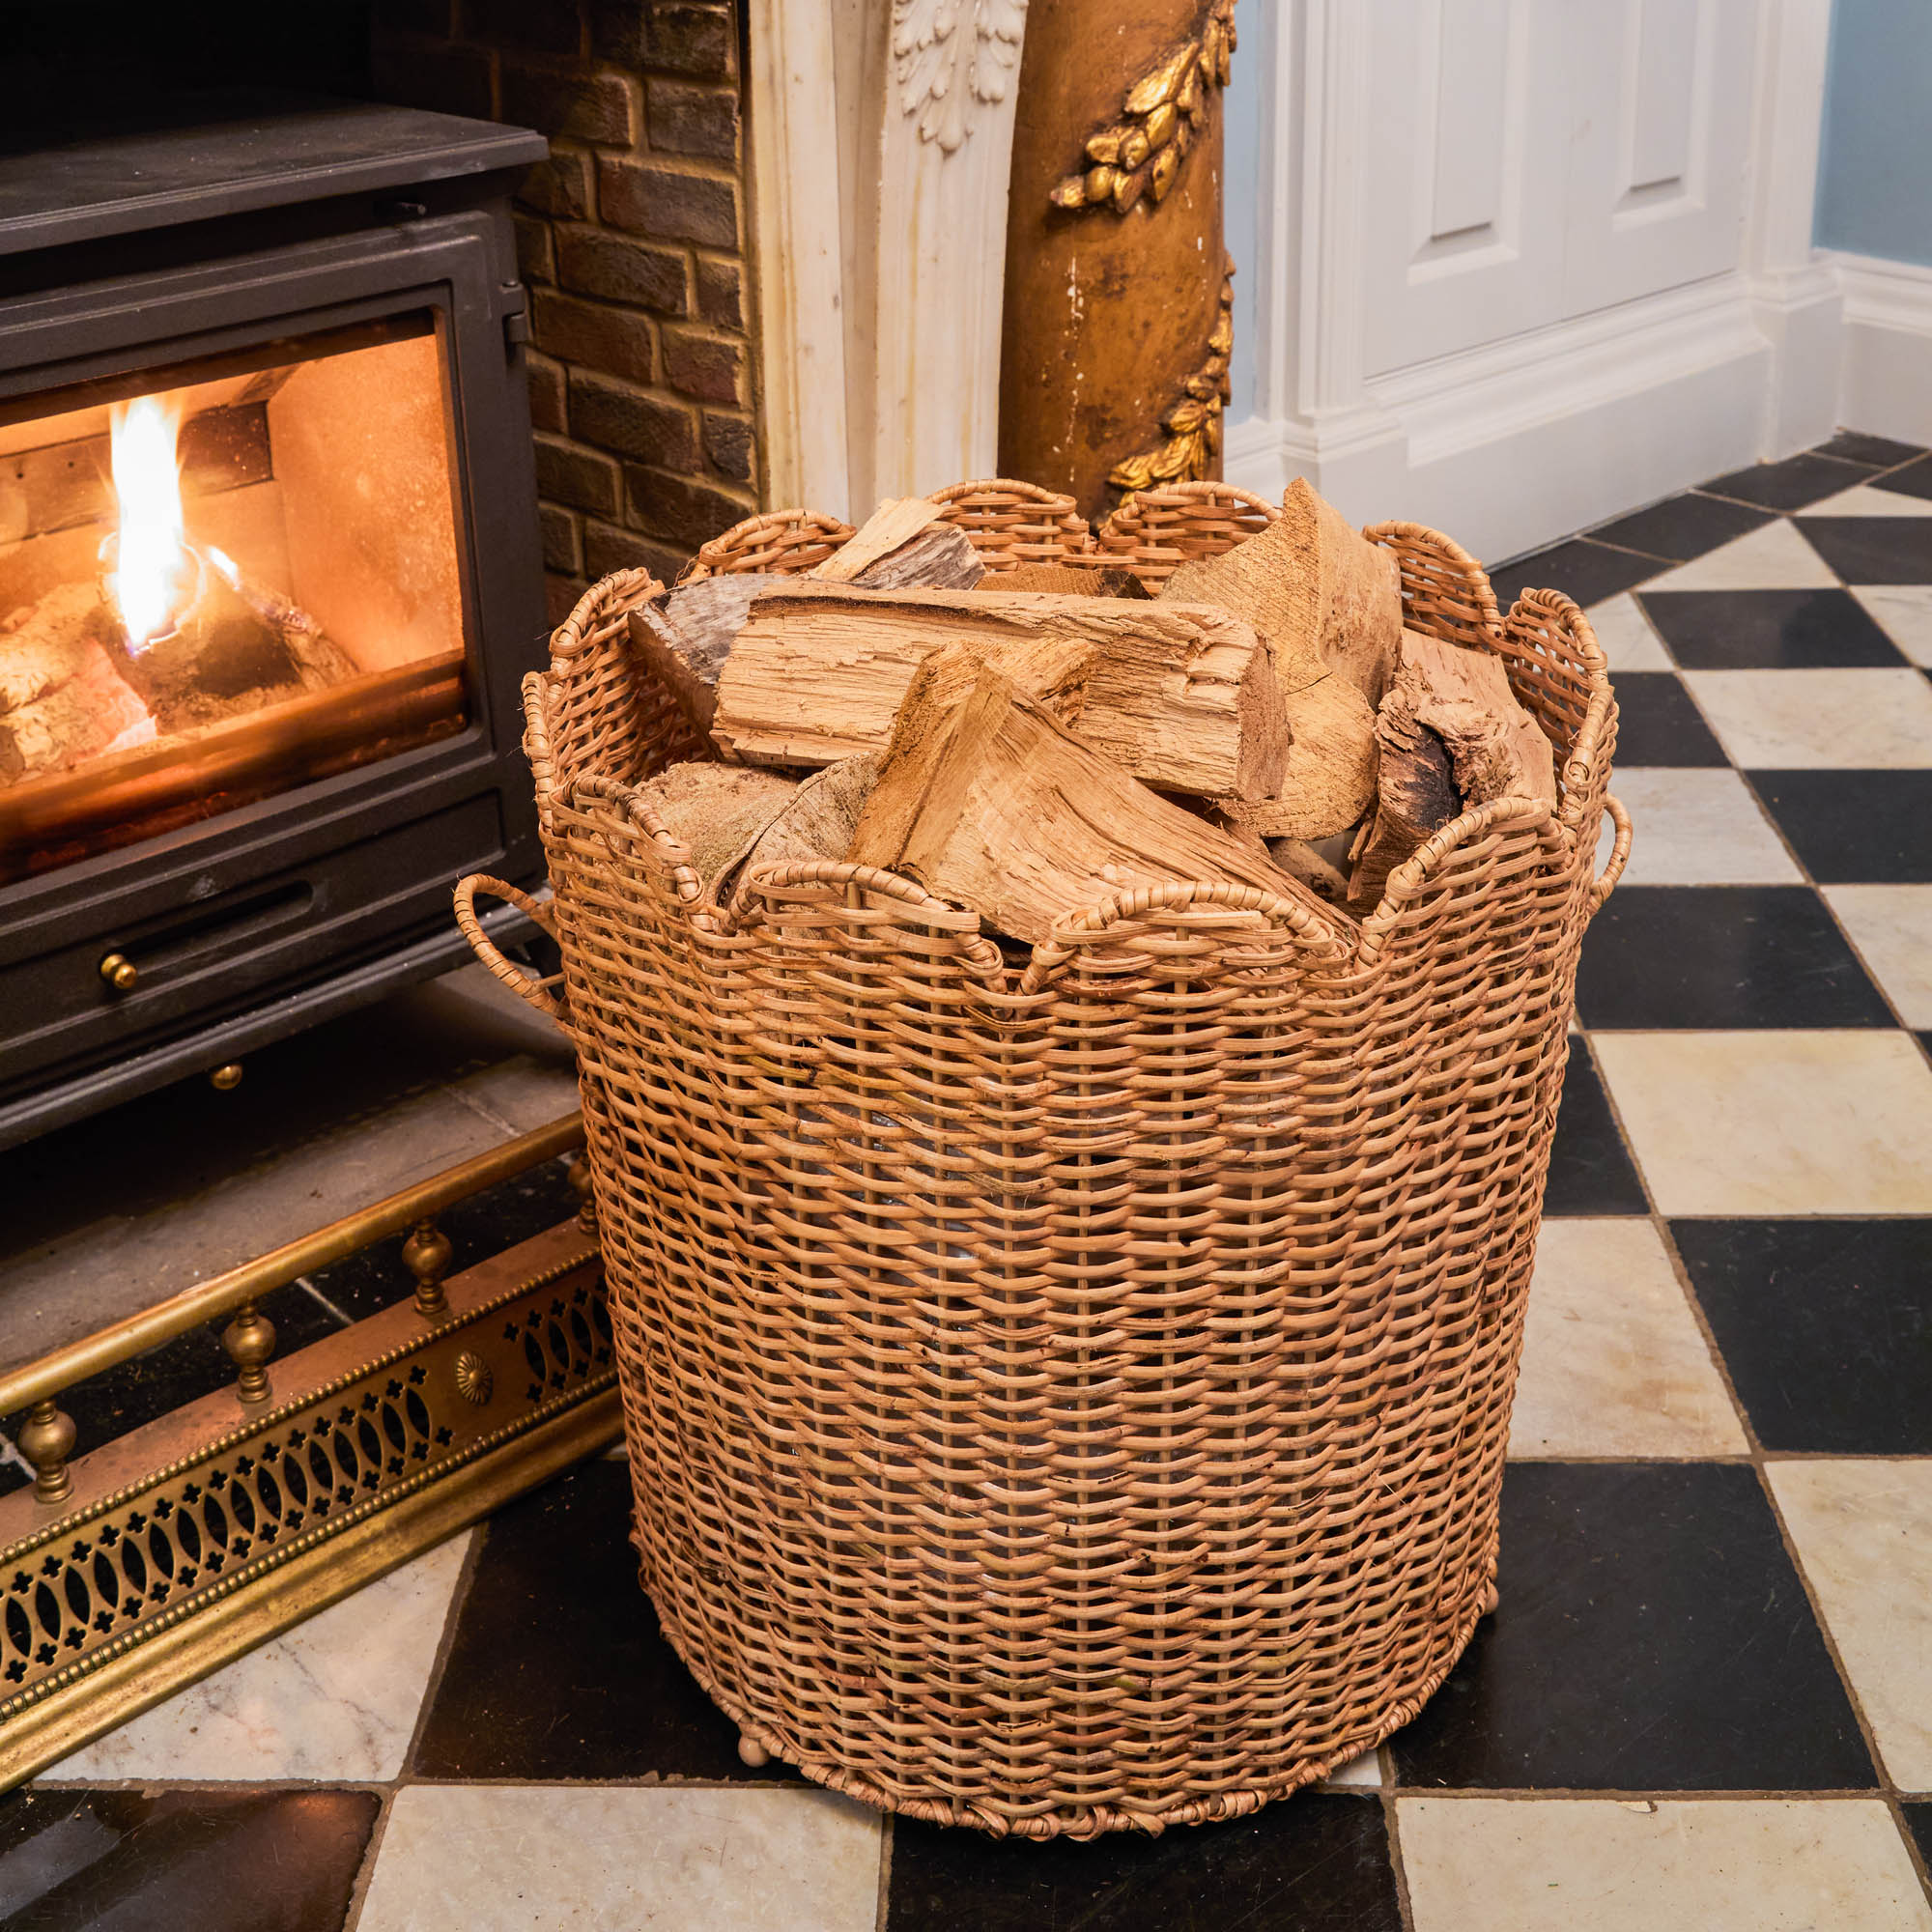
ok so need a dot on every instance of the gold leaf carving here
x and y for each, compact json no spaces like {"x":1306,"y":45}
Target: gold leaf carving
{"x":1140,"y":154}
{"x":1191,"y":429}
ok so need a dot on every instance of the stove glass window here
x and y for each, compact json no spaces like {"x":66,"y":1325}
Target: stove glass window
{"x":222,"y":580}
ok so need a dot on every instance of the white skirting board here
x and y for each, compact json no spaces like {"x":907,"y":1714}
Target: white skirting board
{"x":1885,"y":385}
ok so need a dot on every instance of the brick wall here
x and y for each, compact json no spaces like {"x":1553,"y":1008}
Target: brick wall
{"x":633,"y":242}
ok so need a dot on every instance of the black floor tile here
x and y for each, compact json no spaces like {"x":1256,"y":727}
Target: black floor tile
{"x":1919,"y":1822}
{"x":1792,"y":484}
{"x":1768,"y":630}
{"x":1854,"y":828}
{"x":1872,"y":550}
{"x":1584,"y":571}
{"x":484,"y":1224}
{"x":1913,"y":478}
{"x":143,"y":1390}
{"x":210,"y":1860}
{"x":1825,"y":1327}
{"x":557,"y":1668}
{"x":1589,"y":1170}
{"x":1653,"y":1635}
{"x":1881,"y":452}
{"x":1658,"y":725}
{"x":1316,"y":1863}
{"x":1716,"y":956}
{"x":1684,"y":526}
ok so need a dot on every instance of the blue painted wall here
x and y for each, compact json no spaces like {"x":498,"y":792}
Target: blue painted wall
{"x":1875,"y":161}
{"x":1241,"y":186}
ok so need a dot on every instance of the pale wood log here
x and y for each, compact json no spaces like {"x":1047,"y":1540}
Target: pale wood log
{"x":1324,"y":597}
{"x":992,"y":803}
{"x":1301,"y":859}
{"x":717,"y":812}
{"x":1497,"y":747}
{"x":817,"y":821}
{"x":1331,"y":778}
{"x":903,"y":544}
{"x":1182,"y":696}
{"x":684,"y":643}
{"x":1074,"y":580}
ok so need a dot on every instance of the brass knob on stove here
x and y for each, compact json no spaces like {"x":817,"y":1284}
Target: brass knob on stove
{"x":120,"y":972}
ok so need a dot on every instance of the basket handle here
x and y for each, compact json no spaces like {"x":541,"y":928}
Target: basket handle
{"x":536,"y":991}
{"x":1606,"y":881}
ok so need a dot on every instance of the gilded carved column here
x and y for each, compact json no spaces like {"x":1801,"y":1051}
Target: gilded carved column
{"x":1117,"y":330}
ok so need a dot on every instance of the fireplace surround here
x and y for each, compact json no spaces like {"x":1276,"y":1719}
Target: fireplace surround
{"x":232,"y":802}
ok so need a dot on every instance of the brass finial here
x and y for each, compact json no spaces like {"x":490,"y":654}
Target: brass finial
{"x":226,"y":1078}
{"x":46,"y":1440}
{"x":250,"y":1340}
{"x":120,"y":972}
{"x":426,"y":1254}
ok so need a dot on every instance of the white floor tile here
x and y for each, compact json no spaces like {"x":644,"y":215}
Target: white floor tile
{"x":603,"y":1859}
{"x":1626,"y":636}
{"x":1863,"y":1532}
{"x":1866,"y":499}
{"x":336,"y":1698}
{"x":1696,"y":828}
{"x":1773,"y":557}
{"x":1483,"y":1864}
{"x":1903,"y":611}
{"x":1360,"y":1774}
{"x":1892,"y":926}
{"x":1613,"y":1361}
{"x":1771,"y":721}
{"x":1770,"y":1123}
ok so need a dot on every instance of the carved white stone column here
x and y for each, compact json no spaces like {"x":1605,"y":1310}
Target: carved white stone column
{"x":881,"y":215}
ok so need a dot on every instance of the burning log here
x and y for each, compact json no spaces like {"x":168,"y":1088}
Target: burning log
{"x":78,"y":706}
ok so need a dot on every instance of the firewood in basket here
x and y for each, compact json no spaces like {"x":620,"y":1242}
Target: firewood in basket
{"x":903,"y":544}
{"x":1331,"y":780}
{"x":684,"y":644}
{"x":1324,"y":597}
{"x":716,"y":811}
{"x":816,"y":822}
{"x":1074,"y":580}
{"x":1301,"y":859}
{"x":992,"y":803}
{"x":1184,"y":698}
{"x":1450,"y":735}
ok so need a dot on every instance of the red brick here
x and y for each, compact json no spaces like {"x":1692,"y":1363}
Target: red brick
{"x":728,"y":443}
{"x":688,"y":119}
{"x":594,"y":262}
{"x":562,"y":541}
{"x":576,"y":106}
{"x":606,"y":549}
{"x":559,"y":187}
{"x":671,"y":36}
{"x":721,"y":291}
{"x":560,"y":595}
{"x":544,"y":26}
{"x":654,"y":429}
{"x":709,"y":367}
{"x":433,"y":75}
{"x":546,"y":391}
{"x":673,"y":204}
{"x":679,"y":510}
{"x":579,"y":477}
{"x":595,"y":335}
{"x":536,"y":257}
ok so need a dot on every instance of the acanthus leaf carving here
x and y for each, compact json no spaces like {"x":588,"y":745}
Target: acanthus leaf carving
{"x":949,"y":55}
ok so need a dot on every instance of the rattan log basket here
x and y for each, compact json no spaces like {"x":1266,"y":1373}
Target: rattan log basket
{"x":1066,"y":1396}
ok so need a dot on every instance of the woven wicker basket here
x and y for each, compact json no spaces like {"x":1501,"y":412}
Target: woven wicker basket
{"x":1073,"y":1396}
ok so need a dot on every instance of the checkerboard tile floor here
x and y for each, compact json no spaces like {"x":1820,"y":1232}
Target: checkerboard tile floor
{"x":1706,"y":1699}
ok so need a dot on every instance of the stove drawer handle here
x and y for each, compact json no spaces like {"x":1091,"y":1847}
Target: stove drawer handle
{"x":538,"y":992}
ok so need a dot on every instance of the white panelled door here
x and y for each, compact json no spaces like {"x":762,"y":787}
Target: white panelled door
{"x":1534,"y":160}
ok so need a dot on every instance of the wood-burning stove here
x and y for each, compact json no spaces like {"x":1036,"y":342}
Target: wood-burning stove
{"x":269,"y":579}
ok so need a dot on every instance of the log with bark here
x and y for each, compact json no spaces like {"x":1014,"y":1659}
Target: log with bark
{"x":683,"y":644}
{"x":989,"y":801}
{"x":904,"y":544}
{"x":816,"y":822}
{"x":63,"y":701}
{"x":1449,"y":735}
{"x":716,"y":811}
{"x":1182,"y":696}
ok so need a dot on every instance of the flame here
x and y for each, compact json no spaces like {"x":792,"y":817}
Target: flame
{"x":152,"y":576}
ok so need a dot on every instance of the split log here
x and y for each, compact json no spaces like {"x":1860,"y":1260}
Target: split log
{"x":1181,"y":696}
{"x":992,"y":803}
{"x":1324,"y":597}
{"x":1450,"y":735}
{"x":816,"y":822}
{"x":684,"y":644}
{"x":45,"y":644}
{"x":89,"y":714}
{"x":1331,"y":778}
{"x":716,"y":810}
{"x":1074,"y":580}
{"x":1301,"y":859}
{"x":904,"y":544}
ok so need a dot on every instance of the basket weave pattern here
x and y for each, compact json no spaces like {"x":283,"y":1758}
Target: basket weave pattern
{"x":1070,"y":1396}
